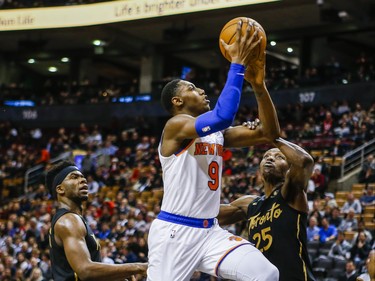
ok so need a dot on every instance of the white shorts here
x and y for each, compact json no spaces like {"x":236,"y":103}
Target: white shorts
{"x":177,"y":251}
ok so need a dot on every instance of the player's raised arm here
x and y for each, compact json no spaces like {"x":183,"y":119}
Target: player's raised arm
{"x":269,"y":128}
{"x":300,"y":168}
{"x":189,"y":106}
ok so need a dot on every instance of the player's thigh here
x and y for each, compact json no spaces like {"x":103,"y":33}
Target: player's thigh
{"x":247,"y":263}
{"x":218,"y":246}
{"x":174,"y":251}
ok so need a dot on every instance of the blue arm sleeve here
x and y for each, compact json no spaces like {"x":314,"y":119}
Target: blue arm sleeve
{"x":222,"y":116}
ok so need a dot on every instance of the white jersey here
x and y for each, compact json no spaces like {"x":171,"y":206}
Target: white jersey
{"x":192,"y":178}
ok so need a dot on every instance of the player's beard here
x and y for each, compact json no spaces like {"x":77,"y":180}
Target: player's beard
{"x":273,"y":178}
{"x":79,"y":200}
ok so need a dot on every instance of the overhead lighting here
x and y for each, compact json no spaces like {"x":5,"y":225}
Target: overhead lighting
{"x":273,"y":43}
{"x":31,"y":61}
{"x":98,"y":42}
{"x":64,"y":59}
{"x":289,"y":50}
{"x":52,"y":69}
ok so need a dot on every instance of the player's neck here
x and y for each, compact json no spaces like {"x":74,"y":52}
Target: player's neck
{"x":71,"y":206}
{"x":269,"y":188}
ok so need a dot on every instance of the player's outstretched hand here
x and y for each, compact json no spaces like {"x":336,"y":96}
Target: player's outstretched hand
{"x":256,"y":71}
{"x":240,"y":51}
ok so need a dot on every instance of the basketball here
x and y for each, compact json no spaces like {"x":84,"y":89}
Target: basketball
{"x":228,"y":34}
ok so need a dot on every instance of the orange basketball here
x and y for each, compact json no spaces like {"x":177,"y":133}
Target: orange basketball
{"x":228,"y":34}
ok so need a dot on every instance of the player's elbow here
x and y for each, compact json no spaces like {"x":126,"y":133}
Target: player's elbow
{"x":269,"y":134}
{"x":84,"y":273}
{"x":307,"y":161}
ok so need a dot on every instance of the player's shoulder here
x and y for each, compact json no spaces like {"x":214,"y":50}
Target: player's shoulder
{"x":179,"y":118}
{"x":69,"y":222}
{"x":177,"y":121}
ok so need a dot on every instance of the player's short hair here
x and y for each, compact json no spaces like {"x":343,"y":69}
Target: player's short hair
{"x":168,"y":92}
{"x":52,"y":173}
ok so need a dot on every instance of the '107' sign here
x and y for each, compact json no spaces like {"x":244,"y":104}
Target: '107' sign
{"x":306,"y":97}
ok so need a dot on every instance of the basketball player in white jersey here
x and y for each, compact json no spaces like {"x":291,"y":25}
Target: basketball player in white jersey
{"x":186,"y":236}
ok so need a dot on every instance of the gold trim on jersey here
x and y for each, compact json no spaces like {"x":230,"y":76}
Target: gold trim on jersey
{"x":50,"y":237}
{"x":300,"y":247}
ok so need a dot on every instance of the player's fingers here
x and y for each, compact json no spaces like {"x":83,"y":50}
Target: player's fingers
{"x":248,"y":30}
{"x":238,"y":31}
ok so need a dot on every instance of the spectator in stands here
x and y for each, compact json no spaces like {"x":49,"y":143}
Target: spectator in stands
{"x":307,"y":131}
{"x":351,"y":202}
{"x":350,"y":222}
{"x":336,"y":218}
{"x":368,"y":198}
{"x":88,"y":163}
{"x":367,"y":173}
{"x":310,"y":190}
{"x":362,"y":227}
{"x":329,"y":197}
{"x":350,"y":272}
{"x":320,"y":182}
{"x":312,"y":229}
{"x":328,"y":124}
{"x":327,"y":232}
{"x":92,"y":184}
{"x":316,"y":212}
{"x":338,"y":149}
{"x":343,"y":130}
{"x":360,"y":250}
{"x":341,"y":248}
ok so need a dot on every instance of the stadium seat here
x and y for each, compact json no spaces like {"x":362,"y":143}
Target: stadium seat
{"x":313,"y":253}
{"x":358,"y":187}
{"x":145,"y":195}
{"x":357,"y":194}
{"x":368,"y":217}
{"x":349,"y":235}
{"x":324,"y":262}
{"x":158,"y":193}
{"x":369,"y":210}
{"x":341,"y":195}
{"x":335,"y":273}
{"x":339,"y":264}
{"x":313,"y":245}
{"x":370,"y":225}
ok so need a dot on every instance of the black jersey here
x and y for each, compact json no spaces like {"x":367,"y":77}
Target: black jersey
{"x":61,"y":269}
{"x":279,"y":231}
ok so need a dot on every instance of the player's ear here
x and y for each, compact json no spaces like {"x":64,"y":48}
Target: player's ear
{"x":60,"y":189}
{"x":177,"y":101}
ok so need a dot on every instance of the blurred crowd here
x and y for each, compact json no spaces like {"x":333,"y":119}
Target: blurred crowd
{"x":280,"y":76}
{"x":124,"y":177}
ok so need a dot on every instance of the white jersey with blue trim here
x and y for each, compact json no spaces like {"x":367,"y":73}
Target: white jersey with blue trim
{"x":192,"y":178}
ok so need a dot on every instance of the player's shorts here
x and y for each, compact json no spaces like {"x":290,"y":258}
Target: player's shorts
{"x":176,"y":251}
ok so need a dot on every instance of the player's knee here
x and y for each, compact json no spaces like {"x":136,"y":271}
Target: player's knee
{"x":272,"y":273}
{"x":264,"y":272}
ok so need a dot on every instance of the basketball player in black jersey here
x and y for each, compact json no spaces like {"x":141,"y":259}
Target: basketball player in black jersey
{"x":74,"y":250}
{"x":277,"y":220}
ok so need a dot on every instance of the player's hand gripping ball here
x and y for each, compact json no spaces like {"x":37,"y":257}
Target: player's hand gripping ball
{"x":228,"y":34}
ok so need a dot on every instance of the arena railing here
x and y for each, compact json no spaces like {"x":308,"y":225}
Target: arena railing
{"x":354,"y":159}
